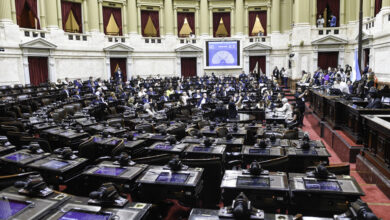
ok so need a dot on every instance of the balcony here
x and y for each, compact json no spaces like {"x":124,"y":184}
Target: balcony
{"x":34,"y":33}
{"x":152,"y":40}
{"x":187,"y":40}
{"x":115,"y":39}
{"x":76,"y":36}
{"x":258,"y":39}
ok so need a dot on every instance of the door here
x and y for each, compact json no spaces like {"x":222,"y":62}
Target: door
{"x":188,"y":66}
{"x":257,"y":63}
{"x":116,"y":63}
{"x":328,"y":59}
{"x":39,"y":71}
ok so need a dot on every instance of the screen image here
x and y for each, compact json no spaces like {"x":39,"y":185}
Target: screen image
{"x":223,"y":53}
{"x":55,"y":164}
{"x":201,"y":149}
{"x":18,"y":157}
{"x":158,"y":137}
{"x":322,"y":185}
{"x":84,"y":215}
{"x":111,"y":171}
{"x":163,"y":147}
{"x":253,"y":181}
{"x":259,"y":151}
{"x":172,"y":178}
{"x":9,"y":208}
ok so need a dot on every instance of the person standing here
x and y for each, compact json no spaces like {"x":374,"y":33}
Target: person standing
{"x":275,"y":73}
{"x":320,"y":21}
{"x":300,"y":101}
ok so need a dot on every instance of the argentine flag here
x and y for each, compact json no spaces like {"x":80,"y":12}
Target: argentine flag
{"x":355,"y":75}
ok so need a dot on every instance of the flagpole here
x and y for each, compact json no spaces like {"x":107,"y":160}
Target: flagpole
{"x":360,"y":34}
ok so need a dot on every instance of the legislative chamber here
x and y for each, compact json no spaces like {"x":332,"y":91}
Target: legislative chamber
{"x":194,"y":109}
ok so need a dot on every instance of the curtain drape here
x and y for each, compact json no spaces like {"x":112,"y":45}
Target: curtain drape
{"x":188,"y":67}
{"x":226,"y":21}
{"x":263,"y":20}
{"x":38,"y":69}
{"x":116,"y":12}
{"x":328,"y":59}
{"x":155,"y":19}
{"x":76,"y":9}
{"x":32,"y":5}
{"x":122,"y":64}
{"x":378,"y":6}
{"x":332,"y":5}
{"x":190,"y":18}
{"x":260,"y":60}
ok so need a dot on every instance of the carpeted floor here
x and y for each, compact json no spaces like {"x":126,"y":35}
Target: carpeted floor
{"x":376,"y":200}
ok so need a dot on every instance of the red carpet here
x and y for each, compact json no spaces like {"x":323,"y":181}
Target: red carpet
{"x":377,"y":201}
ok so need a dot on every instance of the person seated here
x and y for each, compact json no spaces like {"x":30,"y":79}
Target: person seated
{"x":170,"y":92}
{"x":286,"y":109}
{"x":65,"y":92}
{"x":164,"y":98}
{"x":183,"y":98}
{"x":145,"y":99}
{"x":337,"y":84}
{"x":260,"y":104}
{"x":374,"y":100}
{"x":77,"y":95}
{"x":198,"y":95}
{"x":112,"y":97}
{"x":202,"y":101}
{"x":149,"y":110}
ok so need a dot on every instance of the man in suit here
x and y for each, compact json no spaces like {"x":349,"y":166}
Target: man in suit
{"x":275,"y":73}
{"x":203,"y":100}
{"x":65,"y":92}
{"x":333,"y":21}
{"x":374,"y":100}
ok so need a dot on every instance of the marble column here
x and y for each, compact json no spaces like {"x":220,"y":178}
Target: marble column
{"x":342,"y":12}
{"x":275,"y":16}
{"x":204,"y":17}
{"x":93,"y":15}
{"x":239,"y":17}
{"x":51,"y":13}
{"x":85,"y":16}
{"x":168,"y":17}
{"x":100,"y":8}
{"x":5,"y":11}
{"x":132,"y":16}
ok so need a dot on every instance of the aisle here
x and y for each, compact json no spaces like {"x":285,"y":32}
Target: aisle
{"x":377,"y":201}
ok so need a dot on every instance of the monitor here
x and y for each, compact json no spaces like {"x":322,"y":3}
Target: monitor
{"x":10,"y":208}
{"x":110,"y":171}
{"x":322,"y":185}
{"x":253,"y":181}
{"x":55,"y":164}
{"x":85,"y":215}
{"x":97,"y":139}
{"x":201,"y":149}
{"x":163,"y":147}
{"x":18,"y":157}
{"x":223,"y":53}
{"x":259,"y":151}
{"x":172,"y":177}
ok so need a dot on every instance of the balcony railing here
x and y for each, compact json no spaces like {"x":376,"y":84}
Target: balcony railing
{"x":187,"y":40}
{"x":116,"y":39}
{"x":368,"y":24}
{"x":152,"y":40}
{"x":34,"y":33}
{"x":336,"y":31}
{"x":258,"y":39}
{"x":76,"y":36}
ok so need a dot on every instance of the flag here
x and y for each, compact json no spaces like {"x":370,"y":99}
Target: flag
{"x":116,"y":68}
{"x":355,"y":75}
{"x":256,"y":67}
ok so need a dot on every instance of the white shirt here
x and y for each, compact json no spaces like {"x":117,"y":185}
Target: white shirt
{"x":287,"y":109}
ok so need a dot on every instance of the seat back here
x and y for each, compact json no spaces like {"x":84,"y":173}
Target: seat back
{"x":88,"y":149}
{"x":212,"y":177}
{"x":277,"y":164}
{"x":222,"y":132}
{"x":160,"y":159}
{"x":116,"y":121}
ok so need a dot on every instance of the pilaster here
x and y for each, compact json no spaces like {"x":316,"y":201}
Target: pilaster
{"x":51,"y":14}
{"x":132,"y":16}
{"x":239,"y":17}
{"x":93,"y":15}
